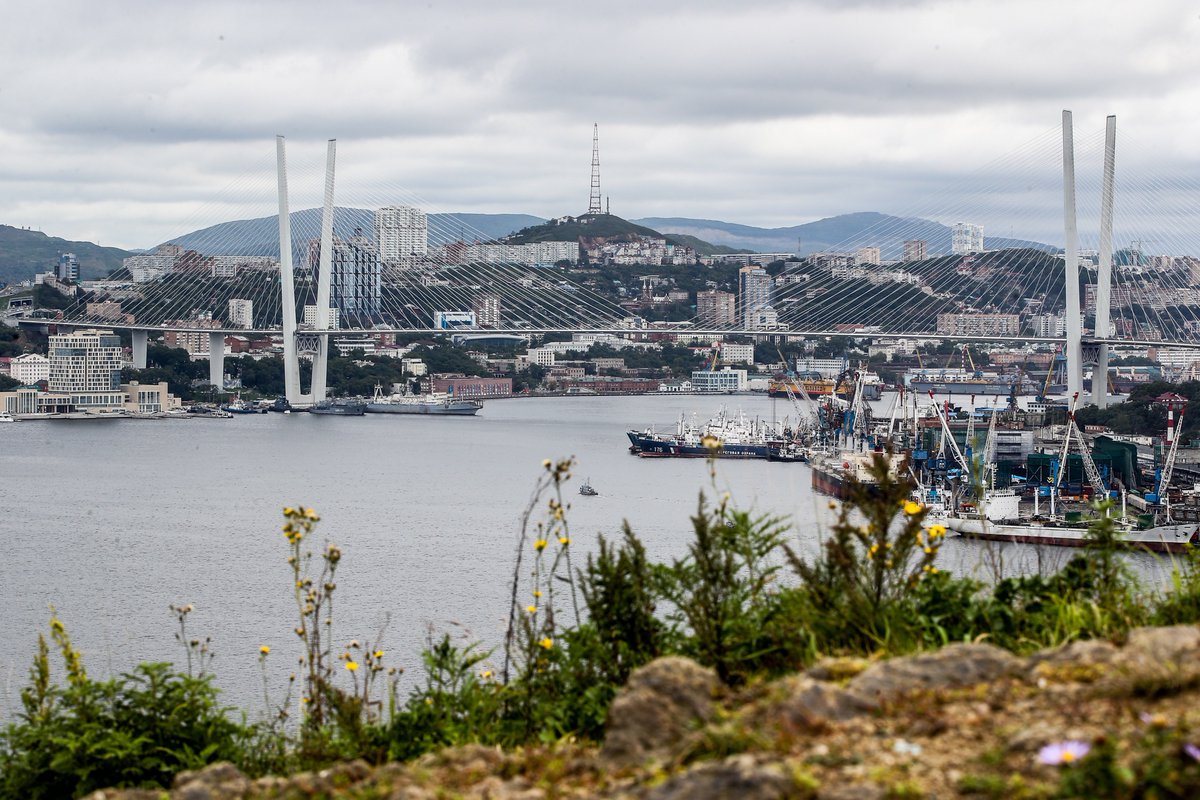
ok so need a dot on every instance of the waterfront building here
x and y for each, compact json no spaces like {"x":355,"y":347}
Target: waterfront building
{"x":241,"y":313}
{"x":966,"y":238}
{"x":486,"y":308}
{"x":29,"y":368}
{"x":402,"y":235}
{"x":474,"y":388}
{"x":726,"y":379}
{"x":716,"y":309}
{"x":754,"y":292}
{"x":85,"y":361}
{"x":916,"y":249}
{"x":979,"y":324}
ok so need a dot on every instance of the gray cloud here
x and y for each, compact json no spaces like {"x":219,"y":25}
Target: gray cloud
{"x":129,"y":122}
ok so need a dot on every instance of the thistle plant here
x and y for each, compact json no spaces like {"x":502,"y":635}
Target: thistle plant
{"x":314,"y":606}
{"x":532,"y":625}
{"x":194,"y":648}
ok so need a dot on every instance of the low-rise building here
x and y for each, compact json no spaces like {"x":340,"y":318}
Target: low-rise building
{"x":474,"y":388}
{"x":29,"y":368}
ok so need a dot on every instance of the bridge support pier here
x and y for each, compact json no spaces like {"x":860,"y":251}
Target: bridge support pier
{"x":216,"y":360}
{"x":140,"y":339}
{"x":1074,"y":314}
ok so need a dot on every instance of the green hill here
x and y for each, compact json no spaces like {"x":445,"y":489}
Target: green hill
{"x":609,"y":226}
{"x":24,"y":253}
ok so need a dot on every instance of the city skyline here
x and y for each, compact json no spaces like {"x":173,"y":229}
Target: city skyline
{"x":150,"y":123}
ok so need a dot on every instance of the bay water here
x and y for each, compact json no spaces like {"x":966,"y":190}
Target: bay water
{"x":110,"y":522}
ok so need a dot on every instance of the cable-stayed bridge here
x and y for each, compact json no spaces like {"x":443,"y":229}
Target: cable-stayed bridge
{"x":883,"y":282}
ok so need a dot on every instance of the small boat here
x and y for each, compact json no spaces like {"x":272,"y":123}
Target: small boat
{"x":6,"y":417}
{"x":587,"y":490}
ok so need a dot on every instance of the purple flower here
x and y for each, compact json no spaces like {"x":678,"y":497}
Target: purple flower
{"x":1067,"y":752}
{"x":1192,"y":751}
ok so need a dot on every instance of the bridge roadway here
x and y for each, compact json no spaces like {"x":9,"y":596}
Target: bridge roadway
{"x":617,"y":331}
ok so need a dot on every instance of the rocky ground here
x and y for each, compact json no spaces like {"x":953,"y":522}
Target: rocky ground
{"x":968,"y":720}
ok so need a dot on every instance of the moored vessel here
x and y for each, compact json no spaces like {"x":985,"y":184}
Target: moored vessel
{"x":436,"y":404}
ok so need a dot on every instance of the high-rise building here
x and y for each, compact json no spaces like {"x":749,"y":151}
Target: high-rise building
{"x":487,"y":310}
{"x":402,"y":234}
{"x":754,"y":292}
{"x":355,"y":286}
{"x":715,"y":308}
{"x":916,"y":249}
{"x":241,"y":313}
{"x":870,"y":255}
{"x":966,"y":238}
{"x":86,"y":361}
{"x":68,"y":268}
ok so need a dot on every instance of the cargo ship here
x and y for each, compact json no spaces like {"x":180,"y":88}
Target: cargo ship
{"x":831,"y":472}
{"x":951,"y":381}
{"x":872,"y":387}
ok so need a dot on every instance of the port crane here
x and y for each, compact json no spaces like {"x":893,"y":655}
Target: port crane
{"x":1164,"y":481}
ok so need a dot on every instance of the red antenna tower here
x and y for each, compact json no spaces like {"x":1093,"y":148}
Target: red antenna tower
{"x":594,"y":206}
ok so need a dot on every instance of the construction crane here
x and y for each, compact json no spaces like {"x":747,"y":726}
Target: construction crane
{"x":1164,"y":481}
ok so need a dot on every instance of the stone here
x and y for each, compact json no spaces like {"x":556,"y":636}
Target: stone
{"x":802,"y":703}
{"x":851,"y":791}
{"x":655,"y":711}
{"x":837,"y":669}
{"x":953,"y":666}
{"x":740,"y":776}
{"x":1156,"y":661}
{"x":1083,"y":661}
{"x":220,"y":781}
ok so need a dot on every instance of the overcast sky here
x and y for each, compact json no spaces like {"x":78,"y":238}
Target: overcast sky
{"x":129,"y":122}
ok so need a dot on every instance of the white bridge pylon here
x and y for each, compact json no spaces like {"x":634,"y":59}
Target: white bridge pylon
{"x":1094,"y":352}
{"x":296,"y":342}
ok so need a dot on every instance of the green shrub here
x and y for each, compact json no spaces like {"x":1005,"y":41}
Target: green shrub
{"x":137,"y":730}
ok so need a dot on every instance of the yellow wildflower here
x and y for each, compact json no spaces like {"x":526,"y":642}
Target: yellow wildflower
{"x":912,"y":507}
{"x":547,"y":643}
{"x":928,"y":550}
{"x":539,"y":545}
{"x":352,"y":665}
{"x":547,"y":463}
{"x":537,"y":592}
{"x":564,"y":541}
{"x":378,"y":654}
{"x":937,"y":531}
{"x":531,"y":609}
{"x":264,"y":649}
{"x":487,"y":673}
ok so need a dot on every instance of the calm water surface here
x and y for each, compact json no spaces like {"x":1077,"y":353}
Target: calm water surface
{"x":112,"y":521}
